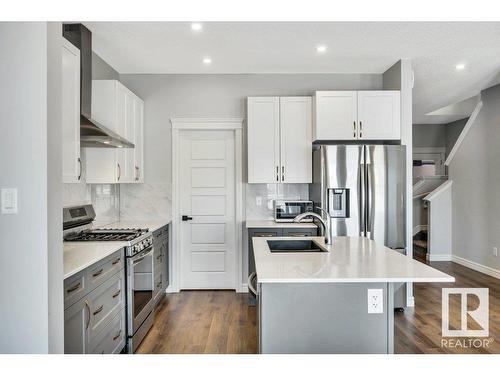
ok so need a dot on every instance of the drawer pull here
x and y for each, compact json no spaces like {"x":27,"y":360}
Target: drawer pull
{"x":98,"y":273}
{"x":116,"y":261}
{"x":158,"y":285}
{"x":265,"y":235}
{"x":88,"y":318}
{"x":99,"y":309}
{"x":117,"y":293}
{"x":73,"y":288}
{"x":299,"y":234}
{"x":117,"y":335}
{"x":158,"y":257}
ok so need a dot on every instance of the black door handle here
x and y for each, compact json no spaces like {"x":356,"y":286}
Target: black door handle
{"x":186,"y":218}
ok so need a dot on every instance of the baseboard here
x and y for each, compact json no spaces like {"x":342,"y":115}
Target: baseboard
{"x":439,"y":257}
{"x":244,"y":288}
{"x":419,"y":228}
{"x":477,"y":267}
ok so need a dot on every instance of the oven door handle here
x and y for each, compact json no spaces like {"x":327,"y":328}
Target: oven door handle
{"x":138,"y":260}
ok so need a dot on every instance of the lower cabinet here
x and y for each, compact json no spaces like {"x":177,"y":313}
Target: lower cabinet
{"x":96,"y":322}
{"x":160,"y":245}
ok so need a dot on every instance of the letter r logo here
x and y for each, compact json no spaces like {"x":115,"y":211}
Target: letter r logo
{"x":478,"y":314}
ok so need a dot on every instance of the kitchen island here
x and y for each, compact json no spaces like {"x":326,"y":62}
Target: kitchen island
{"x":337,"y":298}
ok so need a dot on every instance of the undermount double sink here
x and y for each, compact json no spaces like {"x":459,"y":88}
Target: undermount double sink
{"x":295,"y":246}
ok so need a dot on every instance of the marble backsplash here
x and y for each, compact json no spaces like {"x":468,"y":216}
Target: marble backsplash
{"x":105,"y":199}
{"x":260,"y":197}
{"x":145,"y":201}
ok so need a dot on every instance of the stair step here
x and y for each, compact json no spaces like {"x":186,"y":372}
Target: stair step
{"x":420,"y":243}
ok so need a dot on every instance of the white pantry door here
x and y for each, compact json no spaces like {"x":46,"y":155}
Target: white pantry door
{"x":207,"y":195}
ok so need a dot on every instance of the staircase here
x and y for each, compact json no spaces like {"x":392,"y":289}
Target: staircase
{"x":420,"y":245}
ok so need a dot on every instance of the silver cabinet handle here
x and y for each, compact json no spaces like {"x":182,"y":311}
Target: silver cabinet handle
{"x":117,"y":335}
{"x":80,"y":169}
{"x":354,"y":129}
{"x":136,"y":173}
{"x":277,"y":173}
{"x":73,"y":288}
{"x":98,"y":310}
{"x":119,"y":172}
{"x":116,"y":261}
{"x":98,"y":273}
{"x":117,"y":293}
{"x":88,"y":315}
{"x":360,"y":129}
{"x":282,"y":173}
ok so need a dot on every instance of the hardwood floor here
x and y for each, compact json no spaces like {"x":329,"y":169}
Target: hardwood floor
{"x":222,"y":321}
{"x":203,"y":322}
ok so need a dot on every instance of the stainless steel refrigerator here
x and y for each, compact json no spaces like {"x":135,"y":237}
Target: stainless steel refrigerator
{"x":363,"y":189}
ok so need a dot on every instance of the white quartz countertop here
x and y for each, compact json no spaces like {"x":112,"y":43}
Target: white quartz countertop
{"x":274,"y":224}
{"x":80,"y":255}
{"x":348,"y":260}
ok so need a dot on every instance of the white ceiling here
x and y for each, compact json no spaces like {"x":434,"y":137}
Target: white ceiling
{"x":290,"y":47}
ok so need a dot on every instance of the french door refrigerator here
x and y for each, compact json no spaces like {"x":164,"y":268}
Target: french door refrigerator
{"x":363,"y":189}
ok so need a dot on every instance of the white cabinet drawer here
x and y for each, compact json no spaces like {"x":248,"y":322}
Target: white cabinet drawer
{"x":111,"y":339}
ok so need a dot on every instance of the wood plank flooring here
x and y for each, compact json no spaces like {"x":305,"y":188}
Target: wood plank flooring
{"x":223,"y":322}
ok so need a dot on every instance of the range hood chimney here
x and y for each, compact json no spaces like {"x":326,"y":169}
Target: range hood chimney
{"x":92,"y":133}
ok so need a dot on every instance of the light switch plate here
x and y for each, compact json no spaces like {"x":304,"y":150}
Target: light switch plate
{"x":375,"y":301}
{"x":9,"y":200}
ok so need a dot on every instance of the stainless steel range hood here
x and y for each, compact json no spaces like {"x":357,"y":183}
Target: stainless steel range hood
{"x":92,"y":133}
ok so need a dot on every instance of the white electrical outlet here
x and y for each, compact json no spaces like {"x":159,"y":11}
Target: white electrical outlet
{"x":494,"y":251}
{"x":258,"y":201}
{"x":9,"y":200}
{"x":375,"y":301}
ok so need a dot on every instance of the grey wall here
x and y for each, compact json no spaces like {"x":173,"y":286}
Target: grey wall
{"x":429,"y":135}
{"x":453,"y":130}
{"x":23,"y":164}
{"x":168,"y":96}
{"x":476,"y":179}
{"x":102,"y":70}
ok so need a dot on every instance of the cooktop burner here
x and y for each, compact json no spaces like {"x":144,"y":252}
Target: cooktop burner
{"x":106,"y":235}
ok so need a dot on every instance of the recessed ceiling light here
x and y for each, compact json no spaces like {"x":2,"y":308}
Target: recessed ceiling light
{"x":196,"y":26}
{"x":321,"y":48}
{"x":207,"y":60}
{"x":460,"y":66}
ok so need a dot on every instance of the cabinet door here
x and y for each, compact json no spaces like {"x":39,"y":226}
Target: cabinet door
{"x":101,"y":166}
{"x":125,"y":116}
{"x":379,"y":115}
{"x":335,"y":115}
{"x":139,"y":140}
{"x":72,"y":165}
{"x":76,"y":323}
{"x":263,"y":140}
{"x":296,"y":139}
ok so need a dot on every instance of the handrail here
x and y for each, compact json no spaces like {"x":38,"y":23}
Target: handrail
{"x":439,"y":190}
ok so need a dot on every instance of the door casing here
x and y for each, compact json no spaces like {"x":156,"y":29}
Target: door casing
{"x":193,"y":124}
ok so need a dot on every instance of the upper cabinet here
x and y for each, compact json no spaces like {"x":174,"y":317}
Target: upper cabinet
{"x":72,"y":164}
{"x":357,"y":115}
{"x":279,"y":139}
{"x":119,"y":109}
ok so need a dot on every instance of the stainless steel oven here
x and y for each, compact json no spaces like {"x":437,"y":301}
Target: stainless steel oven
{"x":286,"y":210}
{"x":140,"y":287}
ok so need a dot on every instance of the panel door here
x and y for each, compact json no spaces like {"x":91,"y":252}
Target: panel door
{"x":72,"y":166}
{"x":263,"y":140}
{"x":76,"y":322}
{"x":126,"y":119}
{"x":208,"y":241}
{"x":379,"y":115}
{"x":139,"y":140}
{"x":296,"y":139}
{"x":335,"y":115}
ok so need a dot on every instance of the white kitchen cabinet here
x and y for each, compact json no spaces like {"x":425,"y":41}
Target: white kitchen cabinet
{"x":117,"y":108}
{"x":279,"y":139}
{"x":71,"y":158}
{"x":335,"y":115}
{"x":379,"y":115}
{"x":295,"y":139}
{"x":356,"y":115}
{"x":263,"y":139}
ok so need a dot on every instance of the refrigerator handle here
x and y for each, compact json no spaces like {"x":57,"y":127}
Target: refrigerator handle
{"x":361,"y":194}
{"x":368,"y":202}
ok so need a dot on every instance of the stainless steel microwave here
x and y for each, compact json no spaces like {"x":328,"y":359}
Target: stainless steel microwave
{"x":286,"y":210}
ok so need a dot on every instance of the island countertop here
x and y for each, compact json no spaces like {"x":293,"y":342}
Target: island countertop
{"x":348,"y":260}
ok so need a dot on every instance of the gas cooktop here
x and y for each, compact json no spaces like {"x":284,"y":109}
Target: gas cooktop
{"x":127,"y":234}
